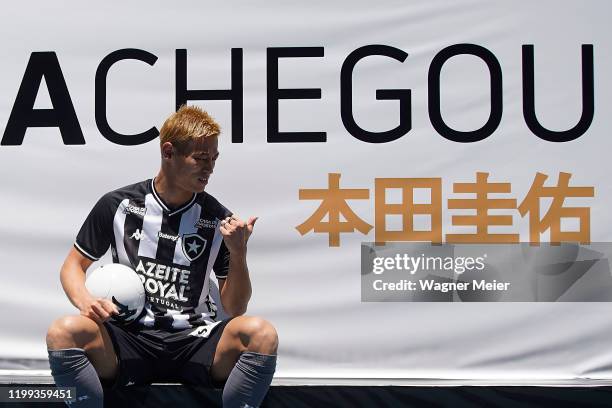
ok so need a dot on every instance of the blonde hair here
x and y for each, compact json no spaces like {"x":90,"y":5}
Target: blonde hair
{"x":186,"y":124}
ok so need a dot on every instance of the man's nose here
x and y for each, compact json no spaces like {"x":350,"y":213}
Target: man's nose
{"x":210,"y":164}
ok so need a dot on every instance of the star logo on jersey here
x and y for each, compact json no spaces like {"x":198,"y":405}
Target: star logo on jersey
{"x":193,"y":246}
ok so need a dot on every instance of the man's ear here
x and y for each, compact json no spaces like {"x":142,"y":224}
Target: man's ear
{"x":167,"y":150}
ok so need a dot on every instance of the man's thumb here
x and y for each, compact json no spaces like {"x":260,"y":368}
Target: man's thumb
{"x":251,"y":221}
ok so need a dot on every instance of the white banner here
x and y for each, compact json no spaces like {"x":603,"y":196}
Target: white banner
{"x":312,"y":95}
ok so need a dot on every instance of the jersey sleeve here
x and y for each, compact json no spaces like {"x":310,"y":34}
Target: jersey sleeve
{"x":221,"y":265}
{"x":96,"y":233}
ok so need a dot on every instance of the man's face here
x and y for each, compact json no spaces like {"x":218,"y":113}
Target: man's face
{"x":192,"y":171}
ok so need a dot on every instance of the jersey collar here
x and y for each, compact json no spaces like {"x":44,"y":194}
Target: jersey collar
{"x":165,"y":207}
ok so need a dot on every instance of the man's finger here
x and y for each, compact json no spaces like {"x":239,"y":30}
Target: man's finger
{"x":237,"y":222}
{"x":251,"y":221}
{"x":227,"y":229}
{"x":93,"y":317}
{"x":110,"y":307}
{"x":103,"y":314}
{"x":230,"y":222}
{"x":99,"y":310}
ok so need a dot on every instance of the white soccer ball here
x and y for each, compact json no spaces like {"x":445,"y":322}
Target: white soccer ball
{"x":121,"y":285}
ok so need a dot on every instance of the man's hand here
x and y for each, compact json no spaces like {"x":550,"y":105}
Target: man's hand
{"x":236,"y":233}
{"x":99,"y":310}
{"x":236,"y":290}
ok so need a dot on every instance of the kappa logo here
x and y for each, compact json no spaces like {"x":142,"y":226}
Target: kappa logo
{"x":137,"y":235}
{"x":193,"y":246}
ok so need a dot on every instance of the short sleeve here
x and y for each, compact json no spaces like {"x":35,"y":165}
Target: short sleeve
{"x":96,"y":233}
{"x":221,"y":265}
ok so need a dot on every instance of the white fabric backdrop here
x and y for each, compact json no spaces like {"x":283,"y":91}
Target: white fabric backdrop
{"x":311,"y":292}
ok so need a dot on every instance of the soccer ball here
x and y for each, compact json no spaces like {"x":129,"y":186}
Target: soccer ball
{"x":121,"y":285}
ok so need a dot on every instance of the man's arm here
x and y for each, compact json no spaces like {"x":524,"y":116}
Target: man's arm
{"x":72,"y":276}
{"x":235,"y":290}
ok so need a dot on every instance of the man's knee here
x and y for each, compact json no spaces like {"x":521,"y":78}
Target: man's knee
{"x":71,"y":331}
{"x":262,"y":335}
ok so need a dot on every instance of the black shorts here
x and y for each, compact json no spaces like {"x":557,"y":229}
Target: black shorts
{"x":151,"y":355}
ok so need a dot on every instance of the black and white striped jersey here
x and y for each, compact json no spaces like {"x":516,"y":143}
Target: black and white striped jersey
{"x":172,"y":250}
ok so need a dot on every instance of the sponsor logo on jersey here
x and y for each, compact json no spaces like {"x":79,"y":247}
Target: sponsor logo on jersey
{"x":164,"y":283}
{"x":132,"y":209}
{"x":193,"y":246}
{"x":204,"y":223}
{"x":137,"y":235}
{"x":167,"y":236}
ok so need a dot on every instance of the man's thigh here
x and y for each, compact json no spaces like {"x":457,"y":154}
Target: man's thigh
{"x":192,"y":353}
{"x":101,"y":354}
{"x":82,"y":332}
{"x":147,"y":355}
{"x":137,"y":355}
{"x":227,"y":352}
